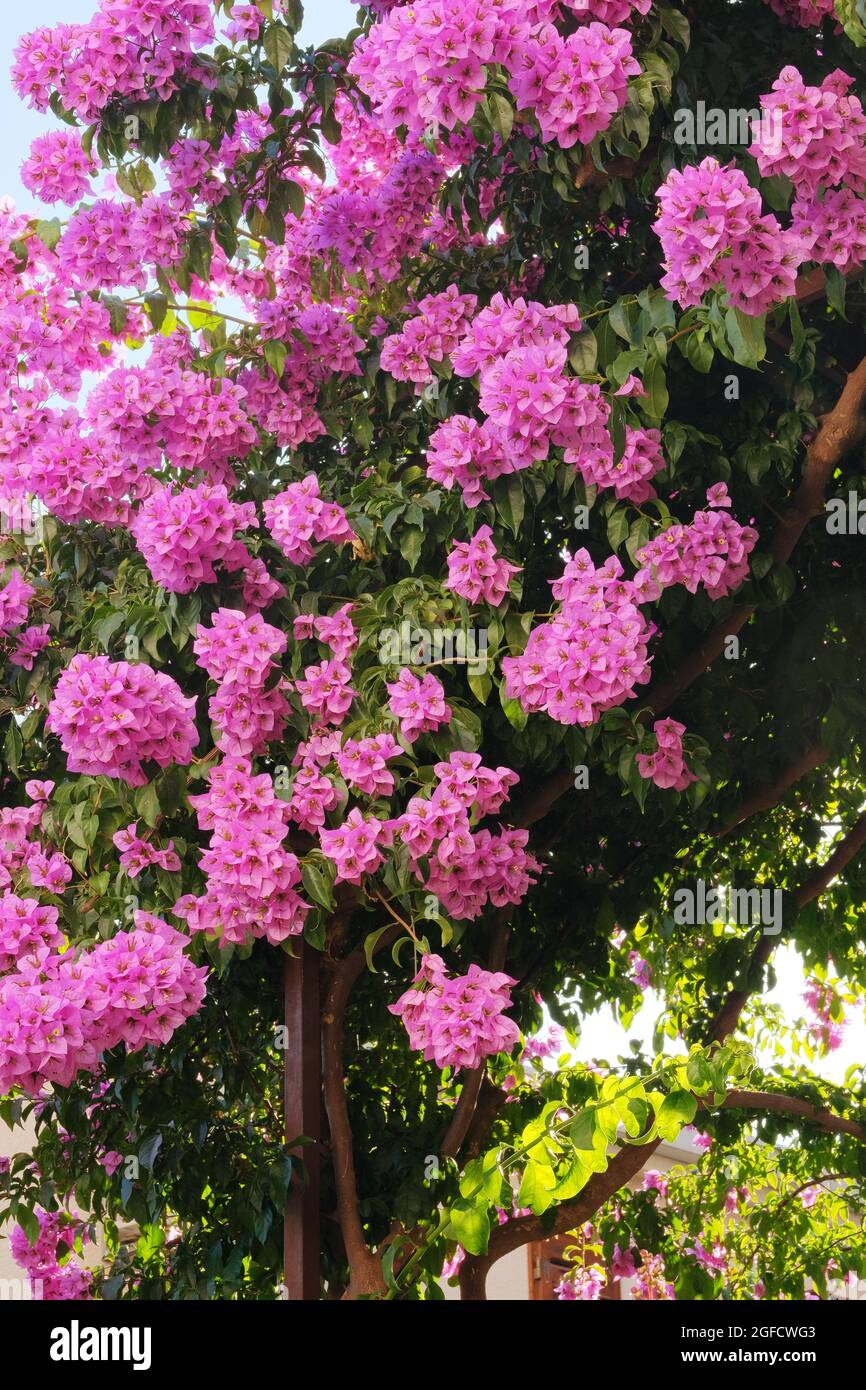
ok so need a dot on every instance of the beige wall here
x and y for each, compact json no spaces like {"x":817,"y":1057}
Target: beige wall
{"x":12,"y":1141}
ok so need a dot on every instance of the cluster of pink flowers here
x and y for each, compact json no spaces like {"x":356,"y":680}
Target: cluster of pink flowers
{"x":832,"y":225}
{"x":467,"y":869}
{"x":592,"y":655}
{"x":714,"y":1260}
{"x":137,"y":854}
{"x":238,"y":647}
{"x":80,"y":480}
{"x":373,"y":230}
{"x":576,"y":85}
{"x":259,"y":588}
{"x":640,"y":971}
{"x":182,"y":535}
{"x":808,"y":14}
{"x":712,"y":550}
{"x":418,"y":702}
{"x":815,"y":136}
{"x":251,"y":877}
{"x":30,"y":643}
{"x":642,"y":459}
{"x":299,"y":515}
{"x":476,"y":572}
{"x":584,"y":1285}
{"x":49,"y":1279}
{"x":196,"y":421}
{"x":667,"y":766}
{"x":108,"y":244}
{"x":467,"y":454}
{"x":363,"y":763}
{"x":238,"y":652}
{"x":130,"y":48}
{"x":326,"y":692}
{"x":713,"y":232}
{"x":654,"y":1181}
{"x":506,"y":324}
{"x":26,"y":929}
{"x":353,"y":846}
{"x":245,"y":24}
{"x":248,"y":717}
{"x":825,"y":1031}
{"x":335,"y":630}
{"x":112,"y":717}
{"x":59,"y":169}
{"x":426,"y":65}
{"x":534,"y":404}
{"x":15,"y":597}
{"x":457,"y":1021}
{"x":608,"y":11}
{"x":45,"y":867}
{"x":58,"y":1013}
{"x":431,"y":335}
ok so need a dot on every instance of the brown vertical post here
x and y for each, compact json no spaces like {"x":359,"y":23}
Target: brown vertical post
{"x":302,"y":1110}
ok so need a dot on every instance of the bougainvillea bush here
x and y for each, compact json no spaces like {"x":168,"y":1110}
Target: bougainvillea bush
{"x":416,"y":580}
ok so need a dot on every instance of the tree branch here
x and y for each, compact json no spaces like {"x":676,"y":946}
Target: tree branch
{"x":365,"y":1275}
{"x":826,"y":1120}
{"x":728,"y":1016}
{"x":625,"y":1165}
{"x":840,"y":431}
{"x":765,"y":797}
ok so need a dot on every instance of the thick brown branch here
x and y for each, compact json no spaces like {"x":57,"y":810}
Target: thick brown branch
{"x":840,"y":431}
{"x":765,"y":797}
{"x":364,"y":1268}
{"x":624,"y":1166}
{"x":728,"y":1016}
{"x":770,"y":1102}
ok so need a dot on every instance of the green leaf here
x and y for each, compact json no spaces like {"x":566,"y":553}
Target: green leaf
{"x":837,"y":288}
{"x":148,"y":1151}
{"x":275,"y":355}
{"x":746,"y":335}
{"x":676,"y":1111}
{"x":675,"y":24}
{"x":698,"y":350}
{"x":370,"y":946}
{"x":481,"y":1179}
{"x":48,"y":232}
{"x":514,"y":711}
{"x":480,"y":685}
{"x":583,"y":353}
{"x":536,"y":1187}
{"x":147,"y":804}
{"x":618,"y":526}
{"x":411,"y":541}
{"x":657,"y":391}
{"x":317,"y":886}
{"x":500,"y":114}
{"x":279,"y":45}
{"x":699,"y":1073}
{"x":511,"y":501}
{"x":470,"y":1225}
